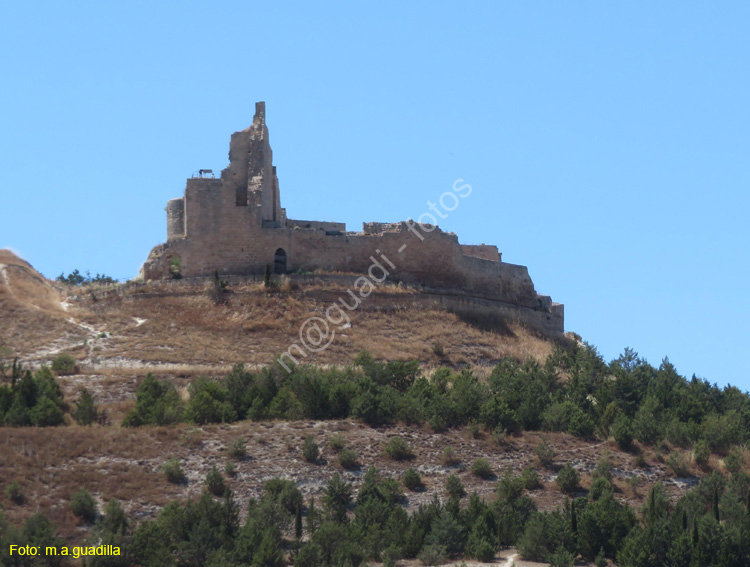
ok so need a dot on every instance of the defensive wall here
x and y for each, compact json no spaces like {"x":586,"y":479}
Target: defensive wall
{"x":235,"y":225}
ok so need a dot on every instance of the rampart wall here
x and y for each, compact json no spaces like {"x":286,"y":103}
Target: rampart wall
{"x":236,"y":225}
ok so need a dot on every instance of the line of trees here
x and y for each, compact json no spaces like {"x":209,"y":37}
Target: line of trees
{"x":575,"y":391}
{"x":76,"y":278}
{"x":708,"y":527}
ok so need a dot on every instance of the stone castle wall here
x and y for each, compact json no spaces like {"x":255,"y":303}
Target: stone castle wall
{"x":235,"y":225}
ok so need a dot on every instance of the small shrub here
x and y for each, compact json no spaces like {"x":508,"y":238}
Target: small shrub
{"x":337,"y":442}
{"x":13,"y":492}
{"x":398,"y":449}
{"x":83,"y":506}
{"x":215,"y":482}
{"x":568,"y":479}
{"x":449,"y":458}
{"x":484,"y":552}
{"x":285,"y":492}
{"x":561,"y":558}
{"x":229,"y":469}
{"x":338,"y":495}
{"x":475,"y":430}
{"x":438,"y":350}
{"x":238,"y":449}
{"x":640,"y":460}
{"x":481,"y":468}
{"x":622,"y":431}
{"x":531,"y":479}
{"x":604,"y":468}
{"x":659,"y":455}
{"x":64,"y":365}
{"x":218,"y":289}
{"x":680,"y":434}
{"x":677,"y":463}
{"x":499,"y":436}
{"x":600,"y":486}
{"x":175,"y":266}
{"x":734,"y":460}
{"x":581,"y":425}
{"x":545,"y":454}
{"x":635,"y":483}
{"x":600,"y":560}
{"x":310,"y":451}
{"x":433,"y":555}
{"x":173,"y":471}
{"x":348,"y":459}
{"x":389,"y":556}
{"x":86,"y":411}
{"x":455,"y":487}
{"x":412,"y":480}
{"x":701,"y":453}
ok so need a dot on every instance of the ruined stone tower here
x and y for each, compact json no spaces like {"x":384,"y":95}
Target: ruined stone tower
{"x":235,"y":224}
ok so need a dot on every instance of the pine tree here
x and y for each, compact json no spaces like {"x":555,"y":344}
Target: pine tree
{"x":716,"y":504}
{"x":86,"y":411}
{"x":298,"y":522}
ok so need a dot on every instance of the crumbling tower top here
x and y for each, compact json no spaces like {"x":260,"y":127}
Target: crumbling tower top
{"x":251,"y":171}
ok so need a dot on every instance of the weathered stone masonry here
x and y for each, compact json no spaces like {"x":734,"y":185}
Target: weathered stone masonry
{"x":235,"y":224}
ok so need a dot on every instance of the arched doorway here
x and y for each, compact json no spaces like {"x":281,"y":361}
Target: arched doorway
{"x":279,"y":261}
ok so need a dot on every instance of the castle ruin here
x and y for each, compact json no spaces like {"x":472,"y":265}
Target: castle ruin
{"x":235,"y":225}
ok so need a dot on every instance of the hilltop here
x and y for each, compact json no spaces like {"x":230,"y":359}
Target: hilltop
{"x":130,"y":344}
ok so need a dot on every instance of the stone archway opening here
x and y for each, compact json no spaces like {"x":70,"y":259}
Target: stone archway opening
{"x":279,"y":261}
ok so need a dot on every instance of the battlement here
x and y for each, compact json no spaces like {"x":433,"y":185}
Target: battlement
{"x":234,"y":224}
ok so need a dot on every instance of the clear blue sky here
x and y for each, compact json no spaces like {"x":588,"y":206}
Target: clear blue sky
{"x":607,"y":145}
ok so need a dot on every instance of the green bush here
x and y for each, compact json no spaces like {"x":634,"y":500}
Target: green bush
{"x":64,"y":365}
{"x":598,"y":488}
{"x":561,"y":558}
{"x":622,"y":431}
{"x":47,"y":413}
{"x":481,"y":468}
{"x":338,"y":495}
{"x":337,"y":442}
{"x":398,"y":449}
{"x":734,"y":460}
{"x":455,"y":487}
{"x":484,"y":552}
{"x":238,"y":449}
{"x":310,"y":451}
{"x":680,"y":434}
{"x":433,"y":555}
{"x":545,"y":454}
{"x":215,"y":482}
{"x":449,"y":458}
{"x":84,"y":506}
{"x":285,"y":492}
{"x":348,"y":459}
{"x":678,"y":464}
{"x":568,"y":479}
{"x":475,"y":430}
{"x":230,"y":469}
{"x":156,"y":403}
{"x":13,"y":492}
{"x":86,"y":411}
{"x":603,"y":467}
{"x":412,"y":480}
{"x":701,"y":453}
{"x":173,"y":471}
{"x":722,"y":431}
{"x":531,"y":479}
{"x":208,"y":403}
{"x":581,"y":425}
